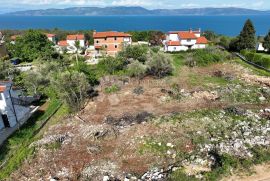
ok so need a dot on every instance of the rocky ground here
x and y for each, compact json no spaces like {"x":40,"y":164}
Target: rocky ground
{"x":150,"y":129}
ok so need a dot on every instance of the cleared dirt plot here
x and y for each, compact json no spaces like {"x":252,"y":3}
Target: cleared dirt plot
{"x":163,"y":129}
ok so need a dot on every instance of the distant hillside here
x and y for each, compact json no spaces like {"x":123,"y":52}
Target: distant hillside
{"x":124,"y":11}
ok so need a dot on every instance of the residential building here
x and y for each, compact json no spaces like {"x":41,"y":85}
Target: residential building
{"x":184,"y":40}
{"x":259,"y":47}
{"x":51,"y":37}
{"x":14,"y":109}
{"x":71,"y":40}
{"x":110,"y":42}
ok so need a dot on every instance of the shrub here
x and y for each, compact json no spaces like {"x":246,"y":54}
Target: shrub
{"x":112,"y":89}
{"x":136,"y":52}
{"x":203,"y":57}
{"x":110,"y":65}
{"x":136,"y":69}
{"x":159,"y":65}
{"x":265,"y":62}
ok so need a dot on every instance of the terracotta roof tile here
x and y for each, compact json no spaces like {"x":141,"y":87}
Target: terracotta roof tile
{"x":50,"y":35}
{"x":202,"y":40}
{"x":110,"y":34}
{"x":75,"y":37}
{"x":63,"y":43}
{"x":2,"y":89}
{"x":187,"y":35}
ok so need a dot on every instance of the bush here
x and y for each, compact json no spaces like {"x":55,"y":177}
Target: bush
{"x":159,"y":65}
{"x":203,"y":57}
{"x":265,"y":62}
{"x":112,"y":89}
{"x":110,"y":65}
{"x":136,"y":69}
{"x":136,"y":52}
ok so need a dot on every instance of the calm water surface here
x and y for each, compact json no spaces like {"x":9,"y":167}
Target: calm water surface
{"x":227,"y":25}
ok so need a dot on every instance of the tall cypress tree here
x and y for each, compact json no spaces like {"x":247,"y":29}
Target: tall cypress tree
{"x":266,"y":43}
{"x":247,"y":38}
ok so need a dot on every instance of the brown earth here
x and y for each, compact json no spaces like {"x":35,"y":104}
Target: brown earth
{"x":117,"y":151}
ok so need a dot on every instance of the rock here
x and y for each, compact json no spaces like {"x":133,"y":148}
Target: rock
{"x":262,"y":98}
{"x":106,"y":178}
{"x":170,"y":145}
{"x":138,"y":90}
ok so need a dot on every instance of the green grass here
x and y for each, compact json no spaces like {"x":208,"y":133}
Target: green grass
{"x":16,"y":149}
{"x":251,"y":67}
{"x":206,"y":81}
{"x":265,"y":55}
{"x":178,"y":61}
{"x":112,"y":89}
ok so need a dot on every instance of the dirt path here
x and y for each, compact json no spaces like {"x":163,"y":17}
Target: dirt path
{"x":261,"y":173}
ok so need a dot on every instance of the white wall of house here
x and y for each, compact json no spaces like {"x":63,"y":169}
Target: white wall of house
{"x":173,"y":37}
{"x":199,"y":46}
{"x":175,"y":48}
{"x":52,"y":39}
{"x":72,"y":43}
{"x":188,"y":42}
{"x":260,"y":47}
{"x":7,"y":108}
{"x":197,"y":34}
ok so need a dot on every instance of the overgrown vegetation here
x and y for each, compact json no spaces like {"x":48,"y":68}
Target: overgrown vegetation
{"x":17,"y":148}
{"x":257,"y":58}
{"x":204,"y":57}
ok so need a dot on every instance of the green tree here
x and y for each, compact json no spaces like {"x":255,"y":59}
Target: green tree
{"x":31,"y":46}
{"x":210,"y":35}
{"x":77,"y":46}
{"x":6,"y":69}
{"x":72,"y":88}
{"x":136,"y":52}
{"x":136,"y":69}
{"x":266,"y":43}
{"x":110,"y":65}
{"x":159,"y":64}
{"x":247,"y":37}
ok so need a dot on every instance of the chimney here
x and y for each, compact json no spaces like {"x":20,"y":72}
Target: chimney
{"x":190,"y":30}
{"x":94,"y":32}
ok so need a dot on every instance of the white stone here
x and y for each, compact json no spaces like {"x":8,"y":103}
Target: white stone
{"x":106,"y":178}
{"x":170,"y":145}
{"x":262,"y":98}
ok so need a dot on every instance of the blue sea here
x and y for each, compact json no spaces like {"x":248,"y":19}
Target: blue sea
{"x":227,"y":25}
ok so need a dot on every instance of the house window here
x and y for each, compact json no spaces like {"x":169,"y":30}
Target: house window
{"x":106,"y":39}
{"x":188,"y":40}
{"x":106,"y":46}
{"x":1,"y":98}
{"x":174,"y":48}
{"x":115,"y":38}
{"x":97,"y":41}
{"x":115,"y":46}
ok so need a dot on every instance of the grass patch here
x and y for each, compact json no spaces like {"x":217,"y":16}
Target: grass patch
{"x":16,"y":149}
{"x":251,"y":67}
{"x":206,"y":81}
{"x":112,"y":89}
{"x":178,"y":61}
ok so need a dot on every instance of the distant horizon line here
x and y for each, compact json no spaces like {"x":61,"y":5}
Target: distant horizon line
{"x":187,"y":8}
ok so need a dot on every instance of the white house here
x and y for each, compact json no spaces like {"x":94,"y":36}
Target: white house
{"x":184,"y":40}
{"x":260,"y":48}
{"x":13,"y":109}
{"x":51,"y":37}
{"x":71,"y":39}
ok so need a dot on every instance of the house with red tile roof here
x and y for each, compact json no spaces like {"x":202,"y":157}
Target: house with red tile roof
{"x":51,"y":37}
{"x":71,"y":39}
{"x":111,"y":42}
{"x":184,"y":40}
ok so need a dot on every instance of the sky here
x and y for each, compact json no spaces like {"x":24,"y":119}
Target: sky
{"x":14,"y":5}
